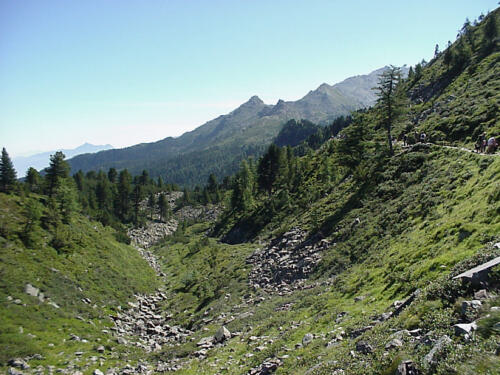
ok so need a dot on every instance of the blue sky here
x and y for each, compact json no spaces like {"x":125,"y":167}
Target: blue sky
{"x":125,"y":72}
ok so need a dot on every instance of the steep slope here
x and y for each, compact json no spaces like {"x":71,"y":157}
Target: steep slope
{"x":241,"y":133}
{"x":55,"y":301}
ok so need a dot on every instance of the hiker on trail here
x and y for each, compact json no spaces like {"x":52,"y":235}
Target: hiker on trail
{"x":477,"y":146}
{"x":481,"y":141}
{"x":405,"y":140}
{"x":492,"y":145}
{"x":417,"y":137}
{"x":422,"y":137}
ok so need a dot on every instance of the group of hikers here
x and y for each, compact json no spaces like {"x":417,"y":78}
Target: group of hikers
{"x":483,"y":145}
{"x":418,"y":137}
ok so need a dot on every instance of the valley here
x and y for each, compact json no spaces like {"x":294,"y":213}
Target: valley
{"x":365,"y":241}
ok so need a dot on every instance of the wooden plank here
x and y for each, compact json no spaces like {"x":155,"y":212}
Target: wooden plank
{"x":485,"y":266}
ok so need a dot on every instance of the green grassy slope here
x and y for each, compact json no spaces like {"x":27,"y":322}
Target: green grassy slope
{"x":98,"y":268}
{"x":432,"y":213}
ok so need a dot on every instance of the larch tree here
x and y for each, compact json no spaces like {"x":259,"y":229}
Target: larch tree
{"x":389,"y":101}
{"x":7,"y":173}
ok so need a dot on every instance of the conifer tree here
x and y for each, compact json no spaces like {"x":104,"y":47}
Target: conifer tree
{"x":152,"y":204}
{"x":57,"y":170}
{"x":112,"y":174}
{"x":103,"y":192}
{"x":7,"y":173}
{"x":389,"y":101}
{"x":33,"y":180}
{"x":164,"y":207}
{"x":137,"y":195}
{"x":270,"y":168}
{"x":122,"y":204}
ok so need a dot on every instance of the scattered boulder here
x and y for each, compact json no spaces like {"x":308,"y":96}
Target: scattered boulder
{"x":364,"y":347}
{"x":13,"y":371}
{"x":97,"y":372}
{"x":407,"y":368}
{"x":481,"y":294}
{"x":307,"y":339}
{"x":465,"y":330}
{"x":222,"y":335}
{"x":431,"y":358}
{"x":31,"y":290}
{"x":18,"y":363}
{"x":393,"y":344}
{"x":470,"y":307}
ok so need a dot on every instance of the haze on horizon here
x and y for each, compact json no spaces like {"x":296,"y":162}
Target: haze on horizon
{"x":126,"y":72}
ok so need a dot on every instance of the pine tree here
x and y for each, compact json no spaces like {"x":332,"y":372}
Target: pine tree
{"x":103,"y":192}
{"x":137,"y":195}
{"x":112,"y":174}
{"x":122,"y":203}
{"x":152,"y":204}
{"x":270,"y":168}
{"x":163,"y":207}
{"x":33,"y":180}
{"x":389,"y":101}
{"x":7,"y":173}
{"x":57,"y":170}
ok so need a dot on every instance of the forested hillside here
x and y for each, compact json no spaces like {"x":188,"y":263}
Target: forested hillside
{"x":370,"y":246}
{"x":218,"y":146}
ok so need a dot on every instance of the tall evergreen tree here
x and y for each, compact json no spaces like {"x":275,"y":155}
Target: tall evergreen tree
{"x":7,"y":173}
{"x":163,"y":207}
{"x":137,"y":195}
{"x":112,"y":174}
{"x":151,"y":204}
{"x":389,"y":101}
{"x":124,"y":189}
{"x":57,"y":170}
{"x":270,"y":166}
{"x":103,"y":192}
{"x":33,"y":180}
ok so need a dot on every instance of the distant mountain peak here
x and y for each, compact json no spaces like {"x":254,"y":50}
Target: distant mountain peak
{"x":254,"y":100}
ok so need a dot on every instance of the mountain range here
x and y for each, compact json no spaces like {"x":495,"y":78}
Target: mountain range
{"x":220,"y":144}
{"x":41,"y":160}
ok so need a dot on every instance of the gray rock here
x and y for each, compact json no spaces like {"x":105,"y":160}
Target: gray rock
{"x":393,"y":344}
{"x":18,"y":363}
{"x":13,"y":371}
{"x":431,"y":357}
{"x":469,"y":307}
{"x":97,"y":372}
{"x":222,"y":334}
{"x":481,"y":294}
{"x":364,"y":347}
{"x":307,"y":339}
{"x":100,"y":349}
{"x":407,"y":368}
{"x":465,"y":330}
{"x":31,"y":290}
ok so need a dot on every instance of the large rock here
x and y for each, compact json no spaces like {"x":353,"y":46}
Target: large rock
{"x":465,"y":330}
{"x":364,"y":347}
{"x":222,"y":334}
{"x":31,"y":290}
{"x":432,"y":357}
{"x":307,"y":339}
{"x":407,"y":368}
{"x":470,"y":307}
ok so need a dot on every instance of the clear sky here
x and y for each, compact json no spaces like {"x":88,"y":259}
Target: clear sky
{"x":125,"y":72}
